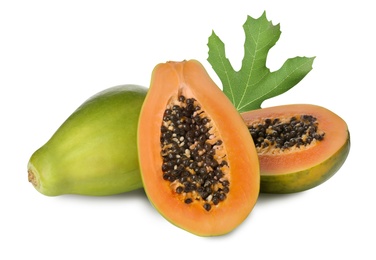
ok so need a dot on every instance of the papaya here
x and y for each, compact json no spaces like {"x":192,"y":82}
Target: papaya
{"x":198,"y":162}
{"x":94,"y":151}
{"x":299,"y":146}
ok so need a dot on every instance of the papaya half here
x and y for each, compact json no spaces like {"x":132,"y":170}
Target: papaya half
{"x":198,"y":162}
{"x":94,"y":152}
{"x":299,"y":146}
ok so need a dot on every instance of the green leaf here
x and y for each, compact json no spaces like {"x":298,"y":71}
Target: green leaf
{"x":254,"y":83}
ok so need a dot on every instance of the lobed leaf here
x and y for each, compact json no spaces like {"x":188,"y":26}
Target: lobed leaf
{"x":254,"y":83}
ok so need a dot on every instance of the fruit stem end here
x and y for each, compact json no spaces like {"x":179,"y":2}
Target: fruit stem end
{"x":31,"y":178}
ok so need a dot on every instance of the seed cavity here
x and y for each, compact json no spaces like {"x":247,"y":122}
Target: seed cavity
{"x":194,"y":159}
{"x":276,"y":135}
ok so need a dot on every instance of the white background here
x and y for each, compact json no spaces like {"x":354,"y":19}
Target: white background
{"x":56,"y":54}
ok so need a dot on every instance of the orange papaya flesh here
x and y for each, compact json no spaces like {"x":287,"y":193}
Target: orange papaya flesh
{"x":299,"y":146}
{"x":196,"y":172}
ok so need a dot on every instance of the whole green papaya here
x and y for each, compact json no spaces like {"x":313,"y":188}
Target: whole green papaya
{"x":94,"y":152}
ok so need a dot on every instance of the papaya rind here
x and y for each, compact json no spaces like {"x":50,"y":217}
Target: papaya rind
{"x":308,"y":178}
{"x":94,"y":152}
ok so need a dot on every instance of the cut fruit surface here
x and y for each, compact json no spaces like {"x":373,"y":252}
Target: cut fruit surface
{"x":299,"y":146}
{"x":198,"y":162}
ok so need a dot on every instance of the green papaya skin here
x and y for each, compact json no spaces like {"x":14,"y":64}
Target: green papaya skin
{"x":308,"y":178}
{"x":94,"y":152}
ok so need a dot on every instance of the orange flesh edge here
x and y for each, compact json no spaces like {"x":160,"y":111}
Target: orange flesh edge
{"x":335,"y":129}
{"x":190,"y":78}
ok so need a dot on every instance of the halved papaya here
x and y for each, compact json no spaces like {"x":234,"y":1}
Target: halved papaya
{"x":198,"y":163}
{"x":299,"y":146}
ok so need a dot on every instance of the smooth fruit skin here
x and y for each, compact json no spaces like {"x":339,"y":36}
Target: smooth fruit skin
{"x":306,"y":179}
{"x":94,"y":152}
